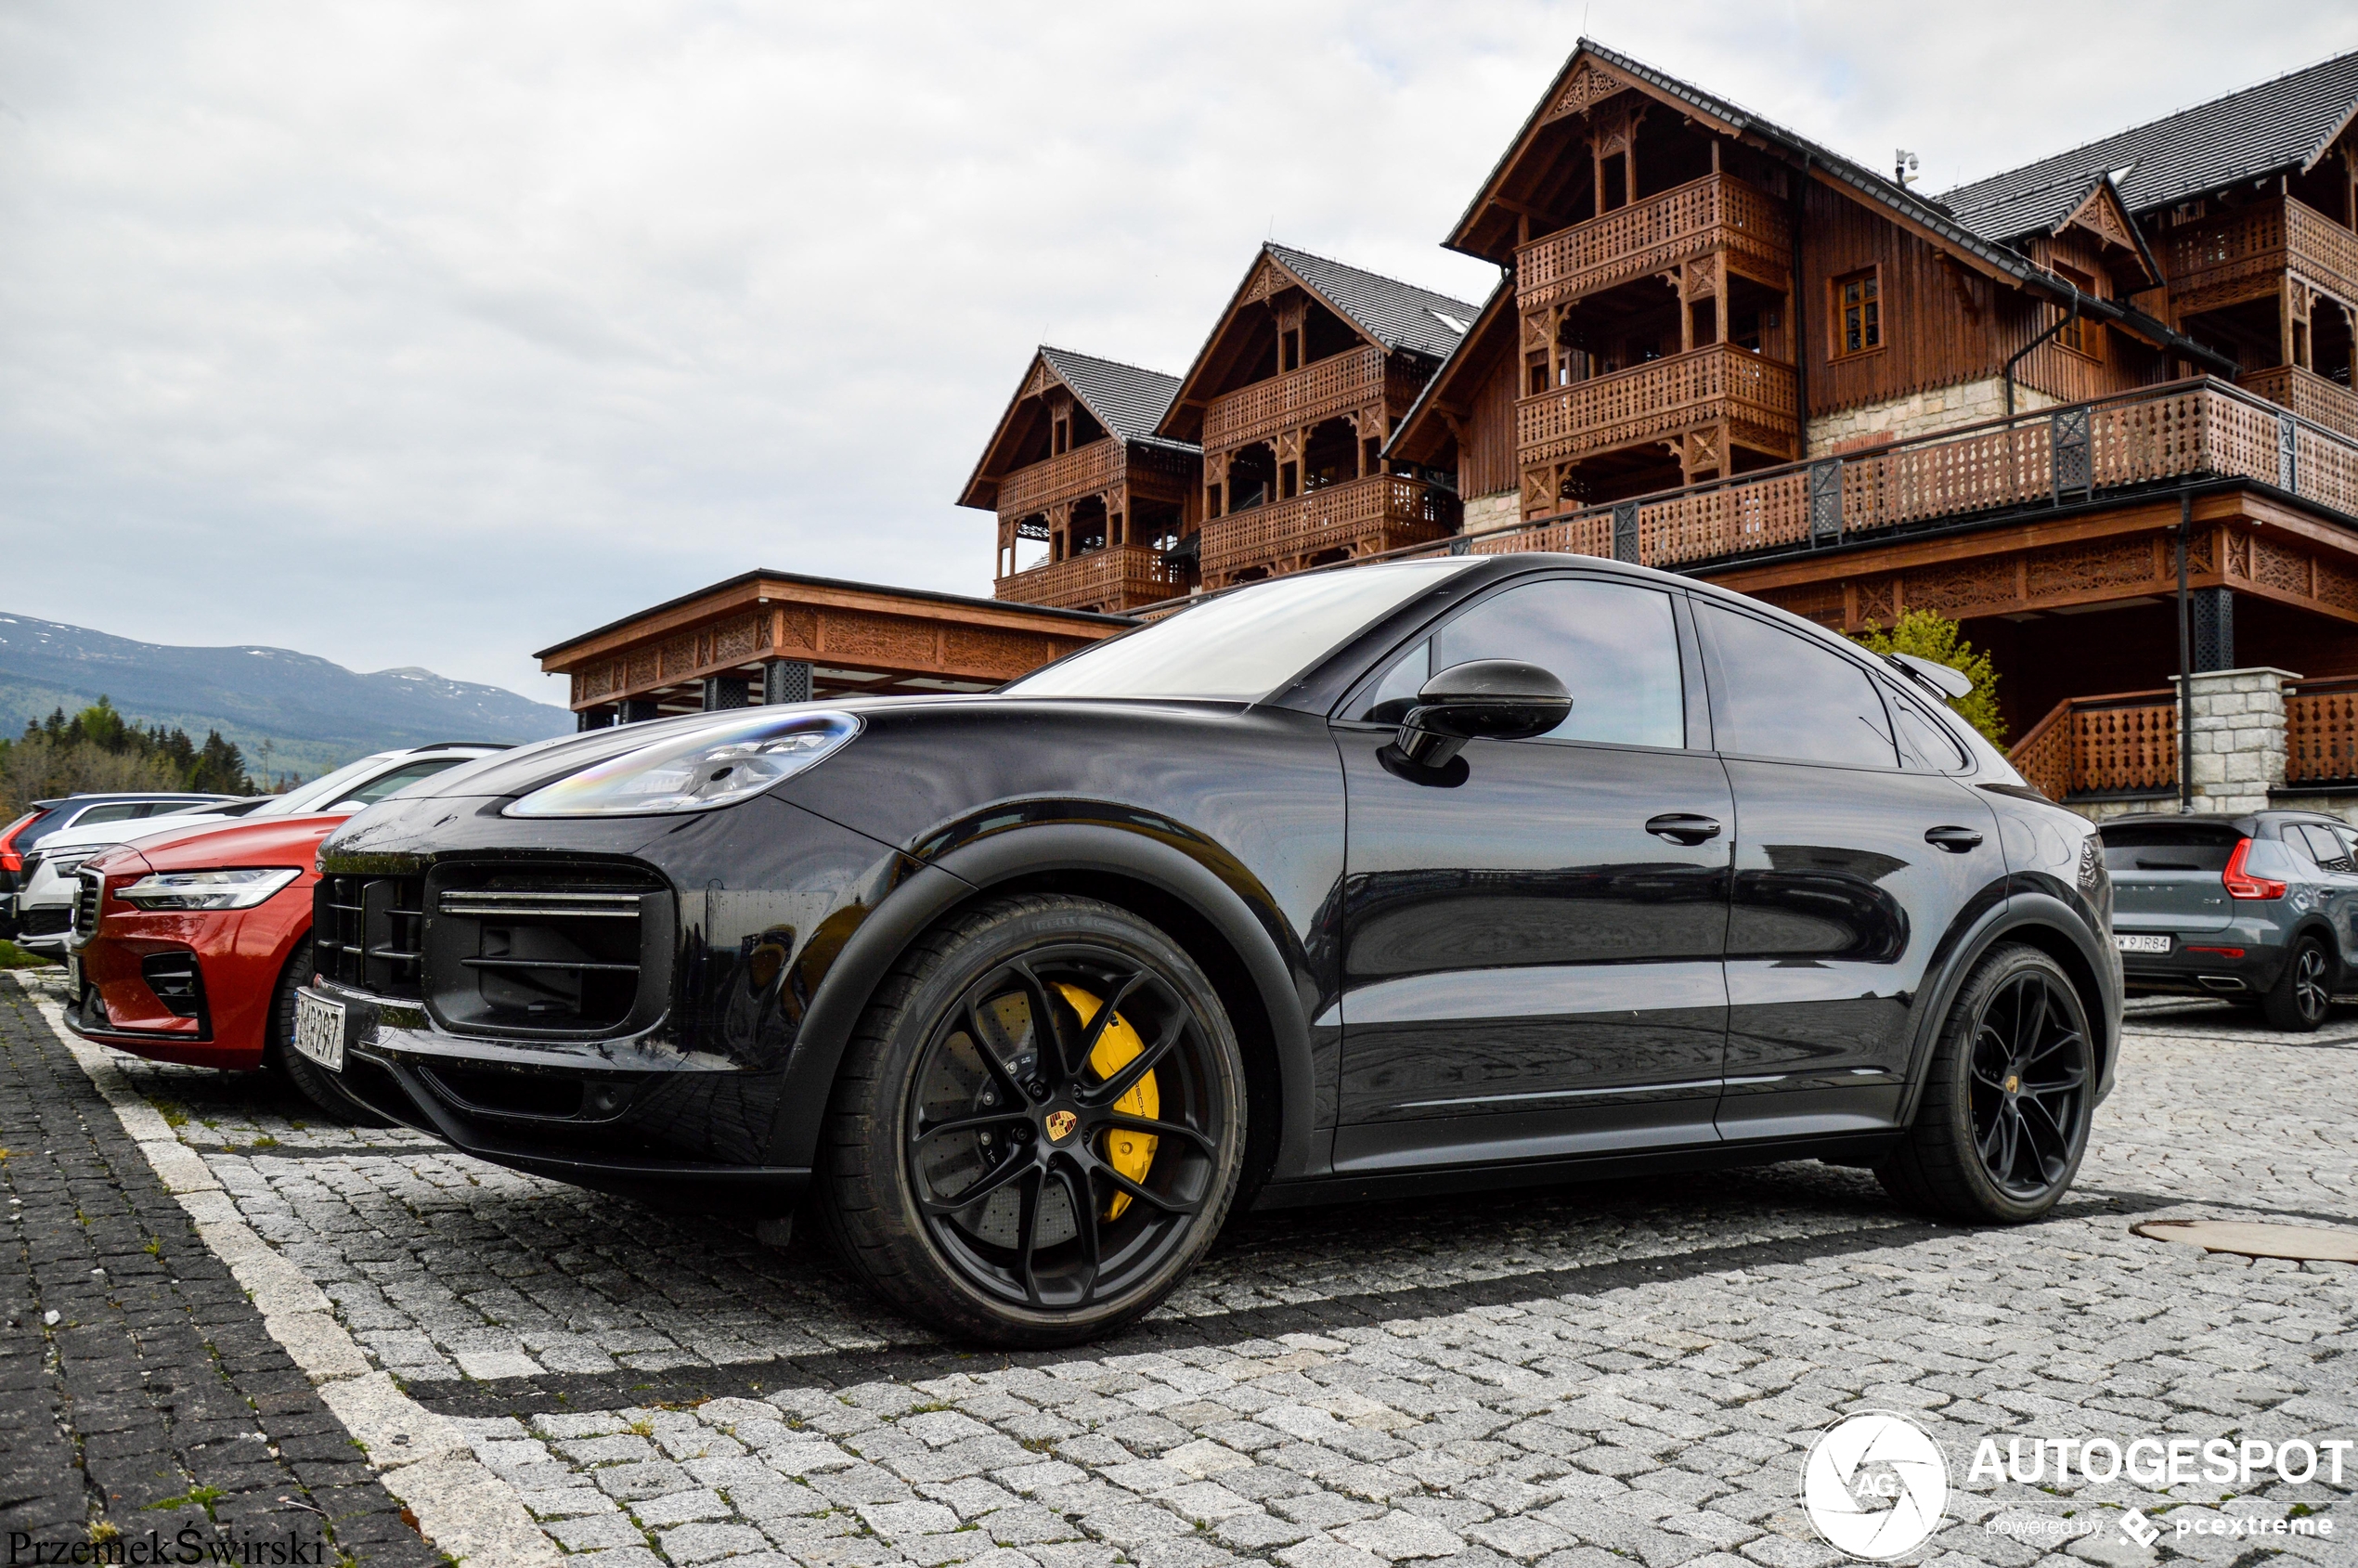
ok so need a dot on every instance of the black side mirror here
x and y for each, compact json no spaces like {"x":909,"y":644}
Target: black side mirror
{"x":1483,"y":699}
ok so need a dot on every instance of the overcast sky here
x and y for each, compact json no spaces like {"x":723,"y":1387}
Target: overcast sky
{"x":431,"y":334}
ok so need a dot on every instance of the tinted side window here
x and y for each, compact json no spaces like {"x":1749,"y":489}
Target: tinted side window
{"x":1783,"y":696}
{"x":120,"y":813}
{"x":1614,"y":646}
{"x":2320,"y":844}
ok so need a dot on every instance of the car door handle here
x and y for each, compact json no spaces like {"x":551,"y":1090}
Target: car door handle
{"x":1956,"y":841}
{"x":1683,"y":827}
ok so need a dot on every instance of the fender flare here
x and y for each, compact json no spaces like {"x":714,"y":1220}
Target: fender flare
{"x":974,"y":868}
{"x":2019,"y":912}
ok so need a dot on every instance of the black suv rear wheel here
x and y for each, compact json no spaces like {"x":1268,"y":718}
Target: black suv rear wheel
{"x":2303,"y":993}
{"x":2004,"y":1122}
{"x":1039,"y":1127}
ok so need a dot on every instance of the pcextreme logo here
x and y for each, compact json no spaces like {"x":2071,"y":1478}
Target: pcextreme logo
{"x":1874,"y":1485}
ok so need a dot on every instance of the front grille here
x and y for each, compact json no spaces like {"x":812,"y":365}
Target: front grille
{"x":45,"y":920}
{"x":547,"y":950}
{"x":368,"y":932}
{"x":86,"y":903}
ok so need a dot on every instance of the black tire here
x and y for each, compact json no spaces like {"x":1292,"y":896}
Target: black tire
{"x":2004,"y":1122}
{"x":959,"y":1163}
{"x":300,"y":1073}
{"x":2303,"y":995}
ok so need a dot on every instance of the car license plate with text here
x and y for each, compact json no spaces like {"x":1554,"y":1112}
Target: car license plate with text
{"x":73,"y":977}
{"x":318,"y":1030}
{"x":2141,"y":943}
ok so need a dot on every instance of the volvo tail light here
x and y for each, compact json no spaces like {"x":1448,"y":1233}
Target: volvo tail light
{"x":9,"y":859}
{"x":2240,"y":884}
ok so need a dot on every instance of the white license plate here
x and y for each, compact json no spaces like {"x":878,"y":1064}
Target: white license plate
{"x":2141,"y":943}
{"x":318,"y":1031}
{"x":73,"y":977}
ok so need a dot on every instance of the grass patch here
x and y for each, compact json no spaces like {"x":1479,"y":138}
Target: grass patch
{"x":195,"y":1497}
{"x":14,"y":957}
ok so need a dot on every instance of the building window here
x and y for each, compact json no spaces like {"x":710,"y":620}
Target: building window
{"x":1858,"y":313}
{"x":2079,"y":334}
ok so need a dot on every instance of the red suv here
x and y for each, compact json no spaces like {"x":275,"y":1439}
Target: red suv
{"x":188,"y":945}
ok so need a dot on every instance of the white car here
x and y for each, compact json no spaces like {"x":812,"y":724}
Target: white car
{"x":44,"y":903}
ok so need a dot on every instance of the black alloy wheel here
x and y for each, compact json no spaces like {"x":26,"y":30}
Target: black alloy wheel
{"x":2029,"y":1070}
{"x":2007,"y":1101}
{"x":2303,"y":993}
{"x":1060,"y":1104}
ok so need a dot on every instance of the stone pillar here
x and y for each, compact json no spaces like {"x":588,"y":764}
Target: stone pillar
{"x":785,"y":681}
{"x":2238,"y":738}
{"x":723,"y":691}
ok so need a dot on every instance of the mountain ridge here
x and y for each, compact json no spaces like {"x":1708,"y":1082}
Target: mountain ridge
{"x":255,"y":690}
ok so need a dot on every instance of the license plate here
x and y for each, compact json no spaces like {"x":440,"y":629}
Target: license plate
{"x":73,"y":977}
{"x":318,"y":1031}
{"x":2142,"y":944}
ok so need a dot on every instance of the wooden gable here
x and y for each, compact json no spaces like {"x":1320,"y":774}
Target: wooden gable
{"x":1241,"y":337}
{"x":2104,"y":215}
{"x":1038,"y":398}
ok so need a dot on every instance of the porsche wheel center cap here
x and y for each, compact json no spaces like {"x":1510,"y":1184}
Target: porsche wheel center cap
{"x":1060,"y":1125}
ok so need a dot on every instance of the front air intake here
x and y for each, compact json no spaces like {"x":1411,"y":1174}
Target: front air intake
{"x":368,"y":932}
{"x":549,"y":951}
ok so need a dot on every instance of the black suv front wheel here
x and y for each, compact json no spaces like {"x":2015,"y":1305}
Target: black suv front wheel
{"x":2004,"y":1122}
{"x":1039,"y":1127}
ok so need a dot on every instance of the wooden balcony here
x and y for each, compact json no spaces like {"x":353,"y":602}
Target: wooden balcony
{"x":1085,"y":471}
{"x":1111,"y":580}
{"x":2307,"y":394}
{"x":1658,"y":398}
{"x":1380,"y":511}
{"x":2185,"y":429}
{"x":1714,"y":212}
{"x":2321,"y":731}
{"x":2121,"y":745}
{"x":1340,"y":385}
{"x":2241,"y":255}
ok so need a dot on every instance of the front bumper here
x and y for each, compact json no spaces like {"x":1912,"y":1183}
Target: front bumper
{"x":634,"y":1117}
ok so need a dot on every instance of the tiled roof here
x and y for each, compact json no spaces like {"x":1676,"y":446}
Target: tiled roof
{"x":2278,"y":125}
{"x":1395,"y":314}
{"x":1127,"y":401}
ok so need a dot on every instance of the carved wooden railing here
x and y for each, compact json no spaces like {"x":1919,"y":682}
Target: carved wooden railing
{"x":2273,"y":235}
{"x":1381,"y":512}
{"x":1657,"y":399}
{"x":1337,"y":384}
{"x":2186,"y":429}
{"x":2321,"y":731}
{"x":2307,"y":394}
{"x":1645,"y":237}
{"x":1085,"y":471}
{"x":2125,"y":743}
{"x":1111,"y":580}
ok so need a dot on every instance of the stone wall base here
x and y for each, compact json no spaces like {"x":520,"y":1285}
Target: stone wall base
{"x":1921,"y":413}
{"x":1501,"y":508}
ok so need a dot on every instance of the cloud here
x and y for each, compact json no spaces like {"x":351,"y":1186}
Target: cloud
{"x":431,"y":334}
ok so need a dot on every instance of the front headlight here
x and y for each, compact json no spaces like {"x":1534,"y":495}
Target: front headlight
{"x":242,"y":888}
{"x":717,"y":766}
{"x":63,"y":864}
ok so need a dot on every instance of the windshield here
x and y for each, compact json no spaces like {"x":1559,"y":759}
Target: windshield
{"x":1240,"y":646}
{"x":324,"y":790}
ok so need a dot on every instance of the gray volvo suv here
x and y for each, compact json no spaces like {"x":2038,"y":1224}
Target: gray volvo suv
{"x":2259,"y":909}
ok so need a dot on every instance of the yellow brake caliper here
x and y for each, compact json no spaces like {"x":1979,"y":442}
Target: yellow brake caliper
{"x":1130,"y":1153}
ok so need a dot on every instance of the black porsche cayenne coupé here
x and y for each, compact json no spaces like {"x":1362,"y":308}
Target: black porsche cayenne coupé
{"x":1401,"y":877}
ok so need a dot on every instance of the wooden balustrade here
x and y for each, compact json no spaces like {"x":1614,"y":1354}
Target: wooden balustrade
{"x":1110,"y":580}
{"x":2307,"y":394}
{"x":1660,"y":398}
{"x":1085,"y":471}
{"x":1717,"y":212}
{"x":1337,"y":384}
{"x":2186,"y":429}
{"x":2125,"y":743}
{"x":2219,"y":257}
{"x":2321,"y":731}
{"x":1380,"y":511}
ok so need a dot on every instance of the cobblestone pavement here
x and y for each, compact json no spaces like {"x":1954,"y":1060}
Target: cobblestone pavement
{"x":140,"y":1396}
{"x":1571,"y":1378}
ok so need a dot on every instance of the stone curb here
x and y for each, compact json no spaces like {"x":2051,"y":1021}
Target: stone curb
{"x":420,"y":1457}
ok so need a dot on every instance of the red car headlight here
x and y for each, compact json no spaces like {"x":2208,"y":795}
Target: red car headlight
{"x":241,"y":888}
